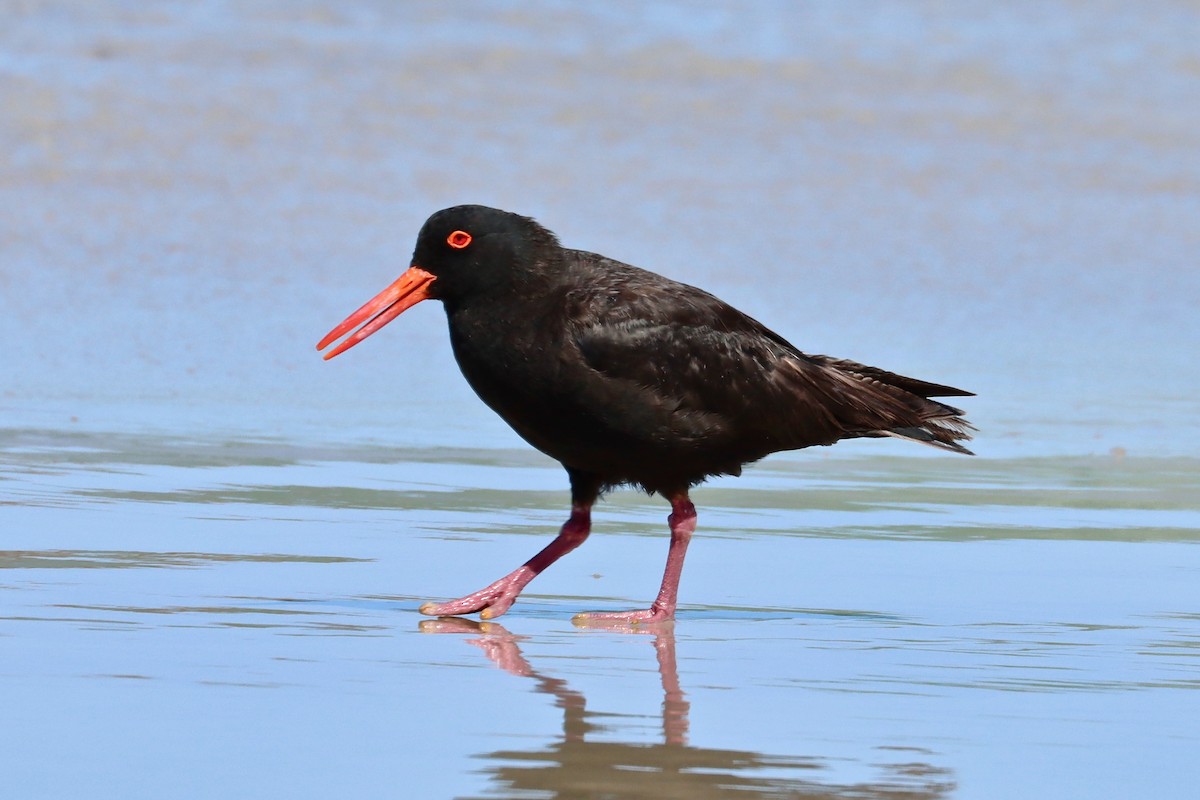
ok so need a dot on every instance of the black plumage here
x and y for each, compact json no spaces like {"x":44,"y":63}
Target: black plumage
{"x":628,"y":377}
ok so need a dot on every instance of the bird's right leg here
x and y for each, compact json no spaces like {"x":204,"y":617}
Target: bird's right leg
{"x":496,"y":598}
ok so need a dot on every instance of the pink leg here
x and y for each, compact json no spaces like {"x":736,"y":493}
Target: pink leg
{"x":495,"y":599}
{"x":683,"y":523}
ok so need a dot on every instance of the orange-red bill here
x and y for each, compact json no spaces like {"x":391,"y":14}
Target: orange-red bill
{"x":409,"y":289}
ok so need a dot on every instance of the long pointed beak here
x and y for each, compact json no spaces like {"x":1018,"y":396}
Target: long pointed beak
{"x":409,"y":289}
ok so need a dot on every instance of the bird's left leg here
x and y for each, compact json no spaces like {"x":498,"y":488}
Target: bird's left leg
{"x":683,"y":524}
{"x":496,"y":598}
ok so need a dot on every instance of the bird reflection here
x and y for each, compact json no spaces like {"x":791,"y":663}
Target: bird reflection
{"x":575,"y":768}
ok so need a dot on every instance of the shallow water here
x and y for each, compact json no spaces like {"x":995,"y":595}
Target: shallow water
{"x":213,"y":545}
{"x":244,"y":613}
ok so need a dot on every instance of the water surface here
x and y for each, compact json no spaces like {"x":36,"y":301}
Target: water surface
{"x":213,"y":545}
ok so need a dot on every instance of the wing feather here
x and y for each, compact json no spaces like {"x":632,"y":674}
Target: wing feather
{"x":682,"y":366}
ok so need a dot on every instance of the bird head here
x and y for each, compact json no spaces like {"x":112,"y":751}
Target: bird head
{"x":461,"y":253}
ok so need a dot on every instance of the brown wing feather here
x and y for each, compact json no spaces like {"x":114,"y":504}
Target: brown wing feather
{"x":713,"y":378}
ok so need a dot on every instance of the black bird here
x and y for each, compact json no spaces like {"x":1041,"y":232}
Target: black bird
{"x":627,"y":377}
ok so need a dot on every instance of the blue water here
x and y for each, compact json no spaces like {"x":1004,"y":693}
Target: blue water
{"x":213,"y":544}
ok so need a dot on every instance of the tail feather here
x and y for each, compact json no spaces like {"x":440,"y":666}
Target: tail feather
{"x":901,"y":407}
{"x":911,"y":385}
{"x":939,"y":439}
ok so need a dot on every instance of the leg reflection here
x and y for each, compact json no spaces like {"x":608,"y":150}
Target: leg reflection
{"x":575,"y":766}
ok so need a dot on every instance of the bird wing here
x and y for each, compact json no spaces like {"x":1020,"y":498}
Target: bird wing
{"x":679,"y":363}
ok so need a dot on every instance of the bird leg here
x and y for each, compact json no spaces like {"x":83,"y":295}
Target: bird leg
{"x":683,"y":523}
{"x":494,"y":599}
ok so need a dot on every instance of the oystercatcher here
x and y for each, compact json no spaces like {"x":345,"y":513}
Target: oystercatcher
{"x":630,"y":378}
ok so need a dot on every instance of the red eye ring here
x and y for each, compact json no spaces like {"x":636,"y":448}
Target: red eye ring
{"x":458,"y":240}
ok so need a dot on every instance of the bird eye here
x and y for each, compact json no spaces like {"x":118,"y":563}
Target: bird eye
{"x":458,"y":240}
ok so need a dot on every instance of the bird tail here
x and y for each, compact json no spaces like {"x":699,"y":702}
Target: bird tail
{"x":943,"y":434}
{"x":910,"y":412}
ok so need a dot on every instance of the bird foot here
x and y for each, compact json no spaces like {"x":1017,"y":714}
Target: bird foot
{"x":491,"y":601}
{"x":648,"y":616}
